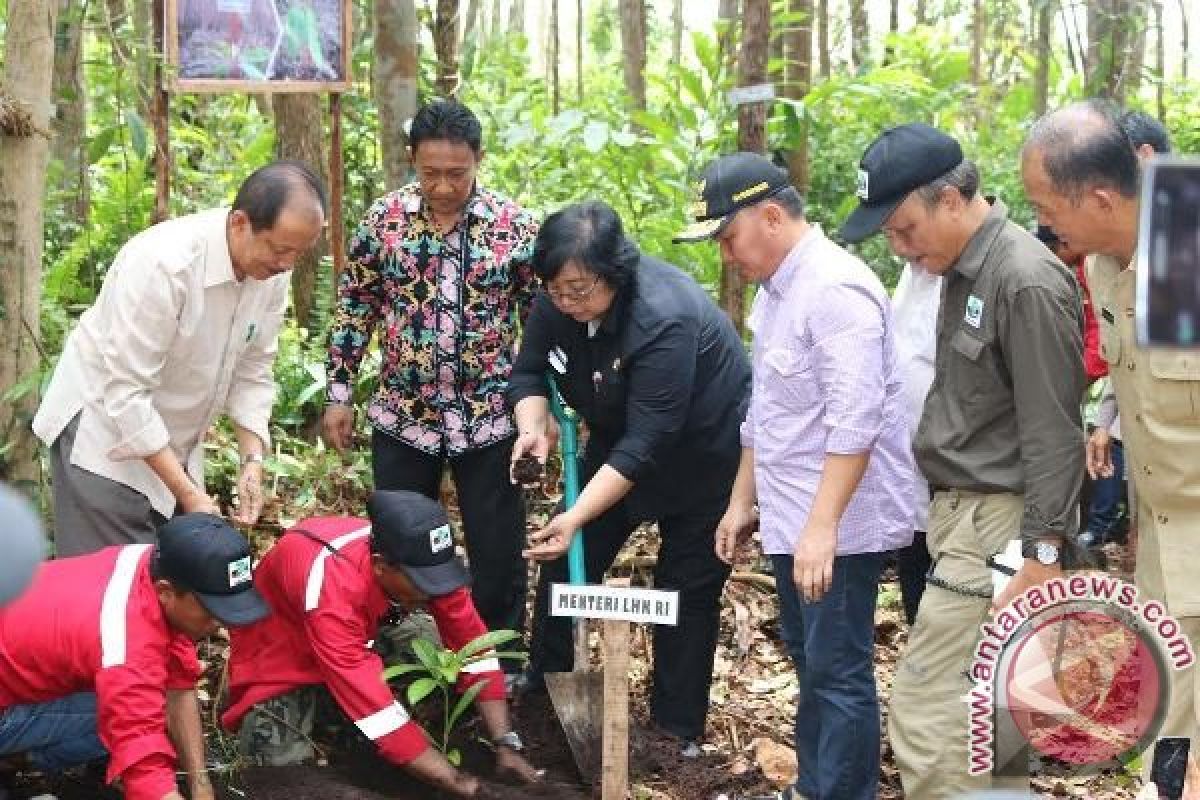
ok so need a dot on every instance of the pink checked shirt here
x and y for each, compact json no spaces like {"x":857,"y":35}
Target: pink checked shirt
{"x":826,"y":381}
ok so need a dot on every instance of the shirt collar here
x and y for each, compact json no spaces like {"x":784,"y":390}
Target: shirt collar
{"x":477,"y":203}
{"x":783,"y":276}
{"x":971,"y":261}
{"x":218,"y":263}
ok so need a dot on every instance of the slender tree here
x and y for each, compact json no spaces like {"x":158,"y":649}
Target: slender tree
{"x":68,"y":159}
{"x":445,"y":45}
{"x":394,"y":82}
{"x":797,"y":45}
{"x":677,"y":37}
{"x":579,"y":49}
{"x":823,"y":37}
{"x":516,"y":17}
{"x":1185,"y":53}
{"x":1041,"y":78}
{"x":552,"y":57}
{"x":727,"y":18}
{"x":978,"y":31}
{"x":298,"y":135}
{"x":633,"y":49}
{"x":860,"y":34}
{"x":752,"y":127}
{"x":25,"y":102}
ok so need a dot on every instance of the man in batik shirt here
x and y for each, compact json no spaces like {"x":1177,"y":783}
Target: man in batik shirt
{"x":440,"y":270}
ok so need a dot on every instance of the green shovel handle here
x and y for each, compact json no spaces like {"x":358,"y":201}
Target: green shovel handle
{"x":569,"y":443}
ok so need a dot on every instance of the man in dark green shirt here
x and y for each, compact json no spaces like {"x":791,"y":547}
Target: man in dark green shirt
{"x":1000,"y":440}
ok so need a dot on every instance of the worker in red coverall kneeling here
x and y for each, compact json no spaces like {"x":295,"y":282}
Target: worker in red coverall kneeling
{"x":330,"y":581}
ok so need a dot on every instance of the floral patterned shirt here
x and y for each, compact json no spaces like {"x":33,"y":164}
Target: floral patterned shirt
{"x":445,"y":307}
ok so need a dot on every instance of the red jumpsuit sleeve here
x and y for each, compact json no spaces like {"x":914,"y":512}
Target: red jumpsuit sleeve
{"x":458,"y":623}
{"x":353,"y":673}
{"x":131,"y":707}
{"x":183,"y":665}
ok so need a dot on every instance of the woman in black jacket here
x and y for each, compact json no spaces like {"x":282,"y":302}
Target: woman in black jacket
{"x":659,"y":374}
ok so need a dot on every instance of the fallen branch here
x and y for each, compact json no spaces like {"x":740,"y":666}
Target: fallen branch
{"x":756,"y":579}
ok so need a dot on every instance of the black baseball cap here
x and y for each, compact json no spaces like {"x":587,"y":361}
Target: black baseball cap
{"x":413,"y":534}
{"x":204,"y":555}
{"x":902,"y":159}
{"x":730,"y":184}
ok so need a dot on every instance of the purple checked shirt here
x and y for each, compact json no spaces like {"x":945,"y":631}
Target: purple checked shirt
{"x":826,"y":381}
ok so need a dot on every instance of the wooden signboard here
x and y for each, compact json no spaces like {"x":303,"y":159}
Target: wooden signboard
{"x":258,"y":45}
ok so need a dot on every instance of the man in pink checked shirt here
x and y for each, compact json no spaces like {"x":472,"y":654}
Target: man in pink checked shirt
{"x":825,"y":456}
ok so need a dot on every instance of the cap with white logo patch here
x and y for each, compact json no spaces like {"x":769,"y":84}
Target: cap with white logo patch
{"x":413,"y":534}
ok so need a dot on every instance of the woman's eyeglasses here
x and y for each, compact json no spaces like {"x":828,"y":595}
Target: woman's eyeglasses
{"x":572,"y":295}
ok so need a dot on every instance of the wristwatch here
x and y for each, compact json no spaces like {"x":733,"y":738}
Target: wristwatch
{"x":1045,"y":553}
{"x":511,"y":740}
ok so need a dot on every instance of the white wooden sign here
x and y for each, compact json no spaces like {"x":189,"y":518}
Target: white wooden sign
{"x":759,"y":93}
{"x":647,"y":606}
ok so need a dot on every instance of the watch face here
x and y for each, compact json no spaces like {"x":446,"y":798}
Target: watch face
{"x":1047,"y":553}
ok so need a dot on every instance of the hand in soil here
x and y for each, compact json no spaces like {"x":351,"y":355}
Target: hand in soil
{"x":527,"y":471}
{"x":511,"y":767}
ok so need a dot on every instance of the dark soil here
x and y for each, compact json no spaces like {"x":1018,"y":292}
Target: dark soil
{"x":527,"y":471}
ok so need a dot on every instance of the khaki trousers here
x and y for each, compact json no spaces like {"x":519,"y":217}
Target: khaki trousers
{"x":928,"y":715}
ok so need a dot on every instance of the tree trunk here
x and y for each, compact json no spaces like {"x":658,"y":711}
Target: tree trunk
{"x":752,"y":128}
{"x":516,"y":17}
{"x":633,"y":48}
{"x":495,"y":30}
{"x":578,"y":49}
{"x":1113,"y":27}
{"x":298,"y":129}
{"x":797,"y":48}
{"x":395,"y":83}
{"x":823,"y":37}
{"x":860,"y":42}
{"x":445,"y":45}
{"x":1160,"y":61}
{"x":978,"y":29}
{"x":471,"y":25}
{"x":552,"y":57}
{"x":894,"y":17}
{"x":1135,"y":53}
{"x":24,"y":154}
{"x":677,"y":38}
{"x":1041,"y":78}
{"x":68,"y":156}
{"x":727,"y":17}
{"x":921,"y":13}
{"x":1185,"y":53}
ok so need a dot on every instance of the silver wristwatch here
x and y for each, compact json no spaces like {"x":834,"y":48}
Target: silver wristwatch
{"x":511,"y":740}
{"x":1045,"y":553}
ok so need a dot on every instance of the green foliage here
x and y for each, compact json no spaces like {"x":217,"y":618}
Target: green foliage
{"x":437,"y":671}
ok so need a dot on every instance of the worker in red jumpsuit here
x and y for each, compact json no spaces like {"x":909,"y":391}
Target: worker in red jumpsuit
{"x":98,"y":656}
{"x":330,"y":581}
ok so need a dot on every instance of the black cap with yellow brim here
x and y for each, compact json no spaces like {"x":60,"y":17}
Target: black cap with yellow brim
{"x":730,"y":184}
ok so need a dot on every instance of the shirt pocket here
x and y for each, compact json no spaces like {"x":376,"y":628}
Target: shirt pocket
{"x":1175,"y":396}
{"x":790,"y":375}
{"x":1110,"y":337}
{"x":969,"y":373}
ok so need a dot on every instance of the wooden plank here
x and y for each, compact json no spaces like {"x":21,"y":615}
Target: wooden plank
{"x":615,"y":752}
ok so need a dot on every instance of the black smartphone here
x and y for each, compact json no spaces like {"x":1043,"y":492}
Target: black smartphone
{"x":1169,"y":768}
{"x":1168,"y":254}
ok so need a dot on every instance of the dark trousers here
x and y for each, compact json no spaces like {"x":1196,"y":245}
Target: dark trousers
{"x":832,"y":642}
{"x":912,"y":565}
{"x":1105,"y":519}
{"x":493,"y":514}
{"x":683,"y":654}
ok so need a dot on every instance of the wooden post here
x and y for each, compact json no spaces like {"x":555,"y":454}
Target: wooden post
{"x":161,"y":111}
{"x":615,"y":757}
{"x":337,"y":230}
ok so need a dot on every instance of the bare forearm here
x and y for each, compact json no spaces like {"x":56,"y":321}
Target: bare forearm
{"x":168,"y":469}
{"x":495,"y":716}
{"x":530,"y":414}
{"x":248,"y":442}
{"x":603,"y":491}
{"x":839,"y":479}
{"x":183,"y":726}
{"x":744,"y":493}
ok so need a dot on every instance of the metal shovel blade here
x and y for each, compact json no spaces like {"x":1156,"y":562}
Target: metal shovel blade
{"x":578,"y":699}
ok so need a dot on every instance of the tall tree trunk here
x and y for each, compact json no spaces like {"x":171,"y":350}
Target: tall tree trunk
{"x":496,"y":29}
{"x":1135,"y":51}
{"x":823,"y":37}
{"x":1113,"y":26}
{"x":921,"y":13}
{"x":728,"y":12}
{"x":633,"y":48}
{"x":1160,"y":61}
{"x":579,"y":19}
{"x":552,"y":57}
{"x":471,"y":23}
{"x":1185,"y":53}
{"x":445,"y":45}
{"x":752,"y":128}
{"x":978,"y":31}
{"x":516,"y":17}
{"x":68,"y":156}
{"x":860,"y":42}
{"x":24,"y":154}
{"x":677,"y":38}
{"x":893,"y":29}
{"x":395,"y":82}
{"x":797,"y":48}
{"x":298,"y":130}
{"x":1044,"y":51}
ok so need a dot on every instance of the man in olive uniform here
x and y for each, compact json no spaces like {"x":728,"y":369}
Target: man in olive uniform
{"x":1081,"y":175}
{"x":1000,"y":439}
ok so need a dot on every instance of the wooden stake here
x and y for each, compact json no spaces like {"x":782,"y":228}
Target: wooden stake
{"x":337,"y":230}
{"x":615,"y":759}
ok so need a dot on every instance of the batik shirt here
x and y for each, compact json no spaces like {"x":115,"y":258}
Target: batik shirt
{"x":445,"y":307}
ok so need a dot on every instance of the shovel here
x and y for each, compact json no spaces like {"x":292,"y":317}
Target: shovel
{"x":577,"y":696}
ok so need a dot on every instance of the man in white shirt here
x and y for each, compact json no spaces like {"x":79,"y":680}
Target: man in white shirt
{"x":184,"y":329}
{"x":914,"y":312}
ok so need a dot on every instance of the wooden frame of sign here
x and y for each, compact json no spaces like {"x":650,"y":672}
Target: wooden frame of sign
{"x":258,"y":45}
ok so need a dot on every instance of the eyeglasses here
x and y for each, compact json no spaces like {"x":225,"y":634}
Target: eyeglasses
{"x":572,"y":295}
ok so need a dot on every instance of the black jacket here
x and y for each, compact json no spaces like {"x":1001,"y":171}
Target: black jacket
{"x":663,"y":386}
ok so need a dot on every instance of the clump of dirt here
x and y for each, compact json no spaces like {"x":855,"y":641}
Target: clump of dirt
{"x":654,"y":754}
{"x":527,"y":471}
